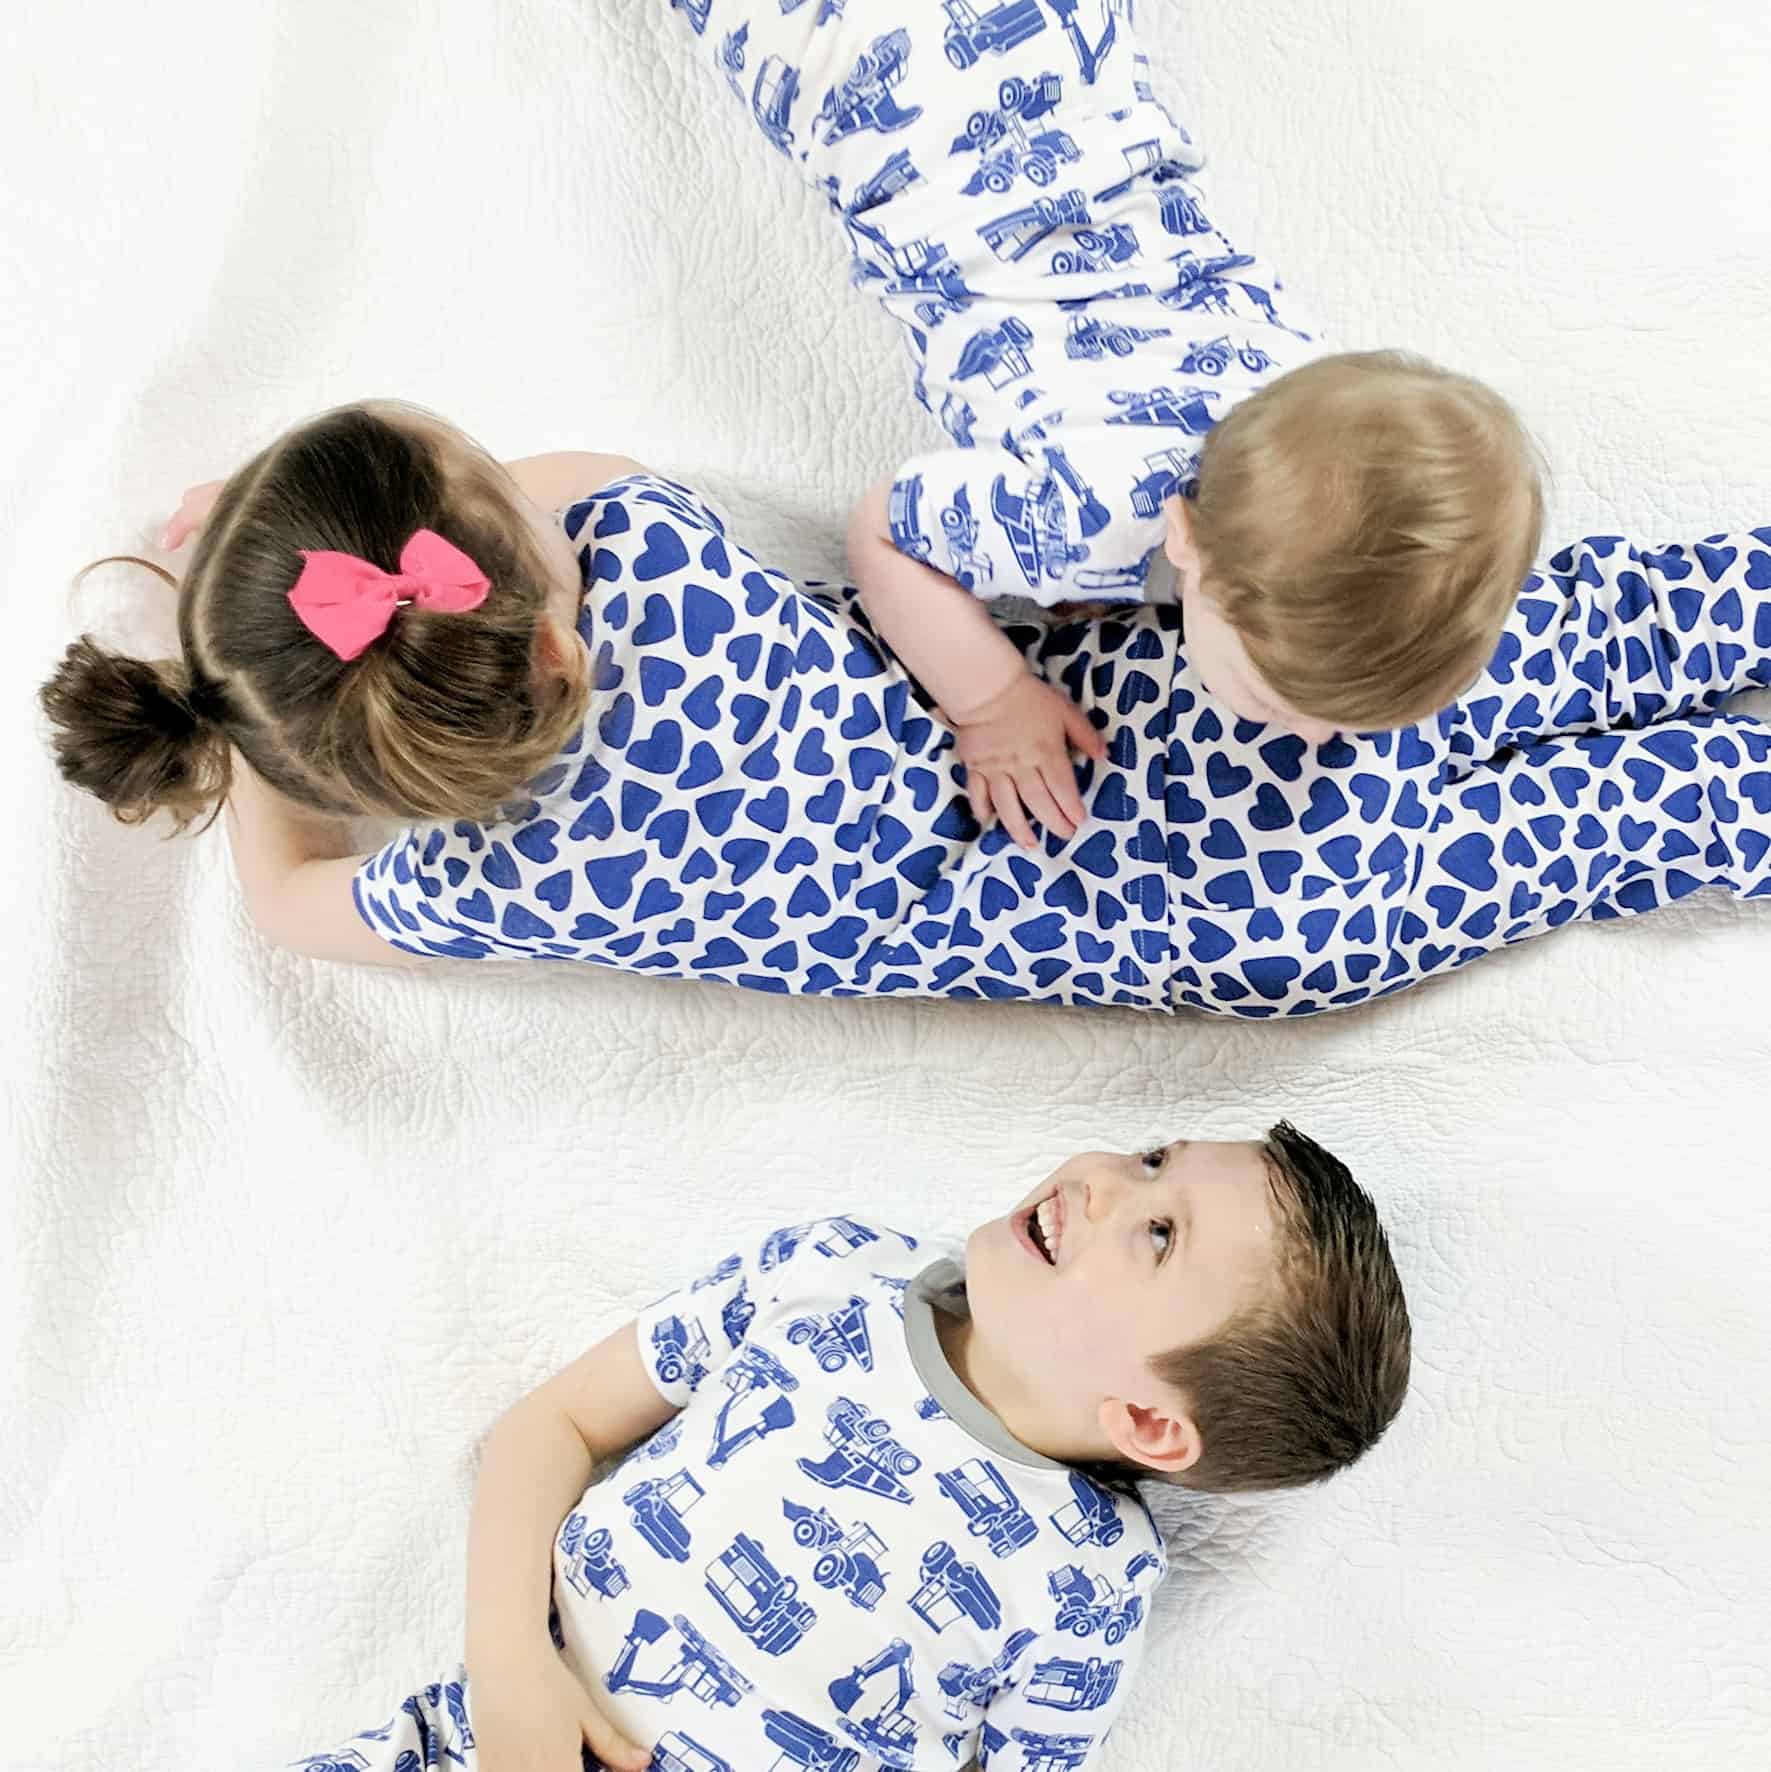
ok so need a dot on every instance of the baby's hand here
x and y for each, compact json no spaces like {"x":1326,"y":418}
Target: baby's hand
{"x":1016,"y":752}
{"x":533,"y":1716}
{"x":192,"y":513}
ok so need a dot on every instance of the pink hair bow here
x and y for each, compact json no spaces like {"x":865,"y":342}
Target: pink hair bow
{"x":347,"y":603}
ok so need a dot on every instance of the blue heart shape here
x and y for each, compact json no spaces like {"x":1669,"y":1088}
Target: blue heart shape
{"x":770,"y":811}
{"x":699,"y":866}
{"x":758,"y":921}
{"x":1272,"y":975}
{"x":664,"y":553}
{"x":744,"y":855}
{"x":660,"y":752}
{"x":1328,"y":806}
{"x":537,"y":841}
{"x":616,"y":726}
{"x":1112,"y":801}
{"x":996,"y":897}
{"x":809,"y":899}
{"x":1676,"y":749}
{"x":669,"y":831}
{"x":611,"y":877}
{"x":867,"y":764}
{"x":1232,"y":890}
{"x":1222,"y":843}
{"x":743,"y":651}
{"x":704,"y":766}
{"x":1224,"y":778}
{"x":721,"y":951}
{"x":1271,"y":811}
{"x":716,"y":811}
{"x":1279,"y":867}
{"x":812,"y":758}
{"x":881,"y":898}
{"x":477,"y":906}
{"x":1471,"y":860}
{"x":796,"y":852}
{"x":762,"y":764}
{"x":638,"y":803}
{"x":748,"y":714}
{"x":825,"y":806}
{"x":655,"y":900}
{"x":658,"y":677}
{"x":659,"y":623}
{"x":1096,"y":855}
{"x":841,"y":940}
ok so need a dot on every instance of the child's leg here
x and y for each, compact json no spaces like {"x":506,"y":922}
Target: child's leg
{"x":1613,"y":636}
{"x":1598,"y":826}
{"x":430,"y":1729}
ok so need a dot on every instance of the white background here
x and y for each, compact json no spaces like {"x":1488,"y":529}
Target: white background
{"x":278,"y":1241}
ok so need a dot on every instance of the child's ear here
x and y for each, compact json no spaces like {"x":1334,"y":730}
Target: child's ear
{"x":1178,"y":543}
{"x":1159,"y":1437}
{"x":558,"y":651}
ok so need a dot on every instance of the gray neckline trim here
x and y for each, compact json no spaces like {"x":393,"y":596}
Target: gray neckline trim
{"x":941,"y":1286}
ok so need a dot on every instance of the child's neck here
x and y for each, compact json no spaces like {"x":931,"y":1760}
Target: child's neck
{"x":1018,"y":1409}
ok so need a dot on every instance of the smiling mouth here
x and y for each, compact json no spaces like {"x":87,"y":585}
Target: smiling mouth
{"x":1045,"y":1228}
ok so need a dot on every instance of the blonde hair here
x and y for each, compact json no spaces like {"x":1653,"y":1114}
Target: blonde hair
{"x":444,"y":716}
{"x":1366,"y":523}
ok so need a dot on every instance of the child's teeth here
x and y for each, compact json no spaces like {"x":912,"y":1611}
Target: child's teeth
{"x":1048,"y":1227}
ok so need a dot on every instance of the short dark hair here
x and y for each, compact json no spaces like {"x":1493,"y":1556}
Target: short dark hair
{"x":1303,"y":1382}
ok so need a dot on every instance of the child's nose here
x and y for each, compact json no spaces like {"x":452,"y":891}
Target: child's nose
{"x":1098,"y":1195}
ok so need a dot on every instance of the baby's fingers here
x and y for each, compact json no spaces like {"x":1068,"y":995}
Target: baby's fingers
{"x":1014,"y":818}
{"x":1037,"y":792}
{"x":977,"y":788}
{"x":1082,"y":732}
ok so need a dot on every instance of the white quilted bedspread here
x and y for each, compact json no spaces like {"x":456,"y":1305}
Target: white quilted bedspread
{"x":279,"y":1240}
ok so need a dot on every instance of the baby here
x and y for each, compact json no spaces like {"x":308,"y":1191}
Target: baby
{"x":1347,"y":533}
{"x":887,"y":1513}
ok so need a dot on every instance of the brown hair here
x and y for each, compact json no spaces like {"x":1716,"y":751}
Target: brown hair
{"x":1366,"y":523}
{"x":444,"y":716}
{"x":1304,"y":1382}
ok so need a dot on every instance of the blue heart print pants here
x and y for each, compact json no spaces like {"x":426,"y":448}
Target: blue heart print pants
{"x":1020,"y":203}
{"x":1588,"y":775}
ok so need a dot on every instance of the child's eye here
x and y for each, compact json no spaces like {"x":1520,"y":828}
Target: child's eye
{"x":1161,"y":1227}
{"x":1152,"y":1161}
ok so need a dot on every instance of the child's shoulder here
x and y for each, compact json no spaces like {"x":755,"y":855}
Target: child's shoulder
{"x":625,"y":507}
{"x":815,"y":1249}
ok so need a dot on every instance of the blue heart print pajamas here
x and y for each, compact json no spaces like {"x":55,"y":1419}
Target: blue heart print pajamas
{"x":1021,"y":204}
{"x":834,"y":1558}
{"x":757,"y":796}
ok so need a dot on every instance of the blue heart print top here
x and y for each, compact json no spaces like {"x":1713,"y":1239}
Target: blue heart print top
{"x":758,"y":796}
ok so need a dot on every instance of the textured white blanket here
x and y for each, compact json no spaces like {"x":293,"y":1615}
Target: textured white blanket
{"x":278,"y":1241}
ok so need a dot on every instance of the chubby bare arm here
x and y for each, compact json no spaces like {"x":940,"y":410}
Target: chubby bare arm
{"x":529,"y":1710}
{"x":1015,"y":731}
{"x":295,"y":869}
{"x":554,"y":481}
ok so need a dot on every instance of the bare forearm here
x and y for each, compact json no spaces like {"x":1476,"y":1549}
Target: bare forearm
{"x":535,"y":1467}
{"x":943,"y":634}
{"x":270,"y":836}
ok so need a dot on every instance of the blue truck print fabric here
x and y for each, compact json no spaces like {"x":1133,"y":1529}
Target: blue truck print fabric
{"x":1016,"y":197}
{"x":803,"y":1569}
